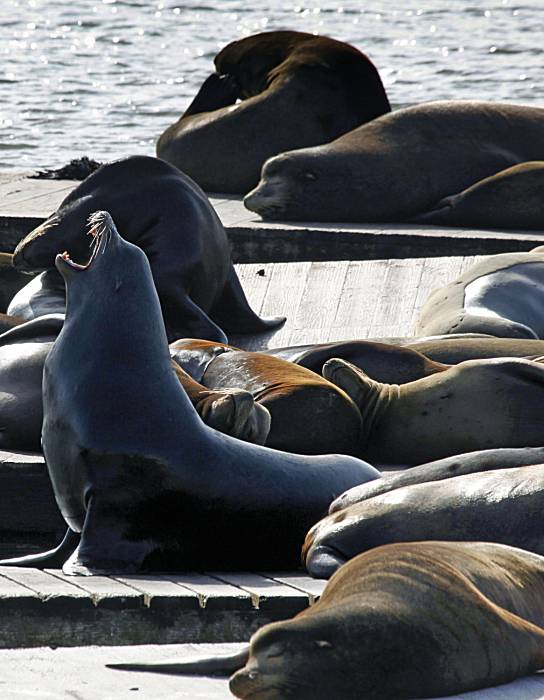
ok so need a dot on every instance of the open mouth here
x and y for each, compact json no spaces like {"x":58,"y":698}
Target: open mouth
{"x":100,"y":227}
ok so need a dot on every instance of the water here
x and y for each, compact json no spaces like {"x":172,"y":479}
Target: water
{"x":105,"y":78}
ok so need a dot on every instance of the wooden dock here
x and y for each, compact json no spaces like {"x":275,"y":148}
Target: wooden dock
{"x":333,"y":282}
{"x":25,"y":202}
{"x":46,"y":608}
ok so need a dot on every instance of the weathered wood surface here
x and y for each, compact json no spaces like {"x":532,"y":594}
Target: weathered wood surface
{"x":26,"y":202}
{"x":328,"y":301}
{"x":40,"y":608}
{"x":81,"y":673}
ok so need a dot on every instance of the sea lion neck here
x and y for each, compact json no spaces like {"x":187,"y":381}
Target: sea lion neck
{"x":376,"y":401}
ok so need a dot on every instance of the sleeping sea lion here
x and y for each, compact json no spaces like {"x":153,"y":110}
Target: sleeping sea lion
{"x":502,"y":295}
{"x":475,"y":405}
{"x":295,"y":90}
{"x":393,"y":168}
{"x":502,"y":505}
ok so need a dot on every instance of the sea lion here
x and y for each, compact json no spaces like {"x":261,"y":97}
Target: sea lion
{"x":309,"y":415}
{"x":510,"y":199}
{"x":23,"y":350}
{"x":502,"y":505}
{"x":425,"y":619}
{"x":171,"y":219}
{"x":383,"y":361}
{"x":447,"y":468}
{"x":295,"y":90}
{"x":502,"y":295}
{"x":368,"y":174}
{"x":455,"y":348}
{"x":44,"y":294}
{"x":133,"y":467}
{"x":475,"y":405}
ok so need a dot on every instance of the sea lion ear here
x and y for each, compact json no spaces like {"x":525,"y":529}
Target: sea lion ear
{"x":356,"y":383}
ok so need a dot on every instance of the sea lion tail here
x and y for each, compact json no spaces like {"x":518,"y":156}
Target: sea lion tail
{"x":233,"y":313}
{"x":221,"y":665}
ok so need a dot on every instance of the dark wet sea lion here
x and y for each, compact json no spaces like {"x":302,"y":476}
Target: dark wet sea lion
{"x":447,"y":468}
{"x":23,"y":350}
{"x":133,"y":467}
{"x":170,"y":218}
{"x":309,"y":415}
{"x":44,"y":294}
{"x":475,"y":405}
{"x":503,"y":295}
{"x":510,"y":199}
{"x":502,"y":505}
{"x":368,"y":174}
{"x":425,"y":619}
{"x":296,"y":90}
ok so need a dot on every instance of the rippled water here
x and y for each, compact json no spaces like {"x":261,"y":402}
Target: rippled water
{"x":104,"y":79}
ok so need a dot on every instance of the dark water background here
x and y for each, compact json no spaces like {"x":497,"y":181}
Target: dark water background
{"x":105,"y":77}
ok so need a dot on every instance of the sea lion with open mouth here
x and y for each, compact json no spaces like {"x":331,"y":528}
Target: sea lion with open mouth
{"x":132,"y":466}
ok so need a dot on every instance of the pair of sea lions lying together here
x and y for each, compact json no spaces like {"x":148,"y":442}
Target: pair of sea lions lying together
{"x":340,"y":155}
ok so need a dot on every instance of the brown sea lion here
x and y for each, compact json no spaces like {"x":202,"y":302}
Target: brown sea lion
{"x":418,"y":620}
{"x":170,"y":218}
{"x":502,"y":295}
{"x":369,"y":174}
{"x":475,"y":405}
{"x":447,"y":468}
{"x":502,"y":505}
{"x":455,"y":348}
{"x":133,"y":467}
{"x":309,"y":415}
{"x":295,"y":90}
{"x":510,"y":199}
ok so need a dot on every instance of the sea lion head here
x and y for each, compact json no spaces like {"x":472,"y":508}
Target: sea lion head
{"x":292,"y":659}
{"x":287,"y":181}
{"x":62,"y":230}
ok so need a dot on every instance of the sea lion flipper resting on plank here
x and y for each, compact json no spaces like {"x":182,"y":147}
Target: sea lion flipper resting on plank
{"x":424,"y":619}
{"x":167,"y":214}
{"x":295,"y":89}
{"x":132,"y":465}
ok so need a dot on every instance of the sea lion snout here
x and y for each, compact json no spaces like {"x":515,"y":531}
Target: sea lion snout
{"x":322,"y":561}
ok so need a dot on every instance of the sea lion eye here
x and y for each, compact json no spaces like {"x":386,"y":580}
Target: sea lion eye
{"x":310,"y":176}
{"x":322,"y":644}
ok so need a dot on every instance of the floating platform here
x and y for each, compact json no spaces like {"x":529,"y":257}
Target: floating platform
{"x":25,"y":202}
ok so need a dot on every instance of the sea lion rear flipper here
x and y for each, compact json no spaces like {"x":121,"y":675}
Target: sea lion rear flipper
{"x":52,"y":559}
{"x":223,"y":665}
{"x":233,"y":313}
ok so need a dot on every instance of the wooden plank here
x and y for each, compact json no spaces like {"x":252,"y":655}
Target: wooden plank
{"x":102,"y":590}
{"x":255,"y":279}
{"x":317,"y":309}
{"x":359,"y":299}
{"x":213,"y":594}
{"x":45,"y":584}
{"x":311,"y":586}
{"x":267,"y":594}
{"x":10,"y":589}
{"x":158,"y":591}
